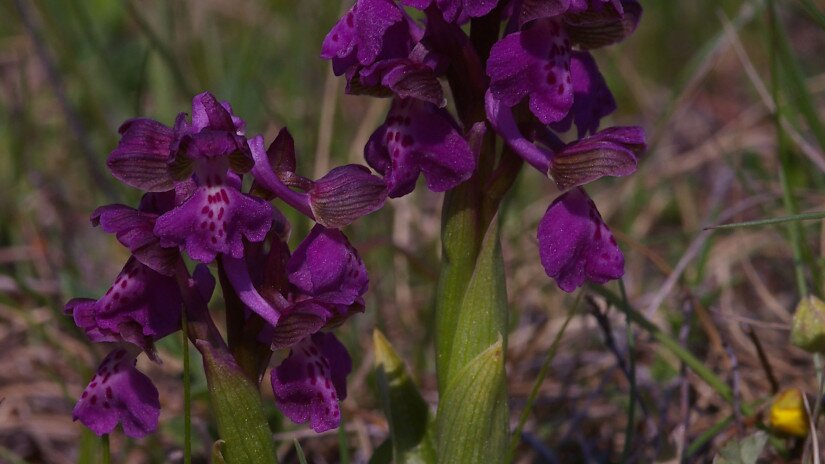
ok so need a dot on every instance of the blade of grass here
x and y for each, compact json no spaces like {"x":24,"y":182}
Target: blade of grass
{"x":770,"y":221}
{"x":794,"y":231}
{"x":183,"y":86}
{"x":813,"y":12}
{"x":343,"y":444}
{"x":515,"y":439}
{"x":299,"y":451}
{"x":631,"y":368}
{"x":692,"y":362}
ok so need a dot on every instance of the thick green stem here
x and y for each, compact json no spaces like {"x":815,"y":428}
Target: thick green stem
{"x":471,"y":318}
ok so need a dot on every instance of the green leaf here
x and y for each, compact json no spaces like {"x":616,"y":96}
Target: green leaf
{"x":299,"y":451}
{"x":481,"y":317}
{"x":472,"y":414}
{"x":745,"y":451}
{"x":407,"y":413}
{"x":238,"y":410}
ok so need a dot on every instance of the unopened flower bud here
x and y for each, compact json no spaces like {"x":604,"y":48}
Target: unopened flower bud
{"x":808,"y":327}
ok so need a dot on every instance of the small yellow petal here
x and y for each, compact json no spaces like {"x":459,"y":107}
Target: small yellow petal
{"x":788,"y":414}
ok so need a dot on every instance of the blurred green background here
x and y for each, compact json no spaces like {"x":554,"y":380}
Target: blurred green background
{"x":696,"y":75}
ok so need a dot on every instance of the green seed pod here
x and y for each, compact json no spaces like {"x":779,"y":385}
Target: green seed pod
{"x":808,"y":327}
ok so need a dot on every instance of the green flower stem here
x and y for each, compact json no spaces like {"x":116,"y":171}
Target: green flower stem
{"x":106,"y":450}
{"x":236,"y":402}
{"x":187,"y":394}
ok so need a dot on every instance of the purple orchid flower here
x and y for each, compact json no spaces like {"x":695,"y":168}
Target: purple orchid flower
{"x":318,"y":286}
{"x":418,"y":137}
{"x":378,"y":47}
{"x":538,"y":61}
{"x":216,"y":216}
{"x":575,"y":244}
{"x":310,"y":382}
{"x":144,"y":303}
{"x":119,"y":393}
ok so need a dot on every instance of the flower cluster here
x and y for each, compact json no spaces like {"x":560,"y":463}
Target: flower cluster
{"x":195,"y":204}
{"x":537,"y":82}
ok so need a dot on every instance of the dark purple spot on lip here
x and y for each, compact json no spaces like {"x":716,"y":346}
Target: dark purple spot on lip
{"x":93,"y":400}
{"x":205,"y":209}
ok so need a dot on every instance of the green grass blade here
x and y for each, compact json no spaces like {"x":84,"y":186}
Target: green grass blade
{"x":691,"y":361}
{"x":299,"y":451}
{"x":534,"y":392}
{"x":813,"y":12}
{"x":770,"y":221}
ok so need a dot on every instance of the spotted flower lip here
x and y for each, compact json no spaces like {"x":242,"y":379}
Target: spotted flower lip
{"x":592,"y":100}
{"x":534,"y":63}
{"x":140,"y":307}
{"x":119,"y":393}
{"x":575,"y":244}
{"x":216,"y":217}
{"x":418,"y":137}
{"x":310,"y":382}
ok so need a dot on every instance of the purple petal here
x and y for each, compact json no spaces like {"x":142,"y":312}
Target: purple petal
{"x":504,"y":123}
{"x":215,"y":219}
{"x":119,"y":393}
{"x":140,"y":159}
{"x":300,"y":321}
{"x":326,"y":267}
{"x":534,"y":62}
{"x":238,"y":274}
{"x":575,"y":244}
{"x":345,"y":194}
{"x":418,"y":137}
{"x":141,"y":306}
{"x":603,"y":23}
{"x":134,"y":229}
{"x":268,"y":180}
{"x":207,"y":112}
{"x":311,"y":381}
{"x":592,"y":99}
{"x":362,"y":29}
{"x":461,"y":11}
{"x":403,"y":77}
{"x":612,"y":152}
{"x":535,"y":9}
